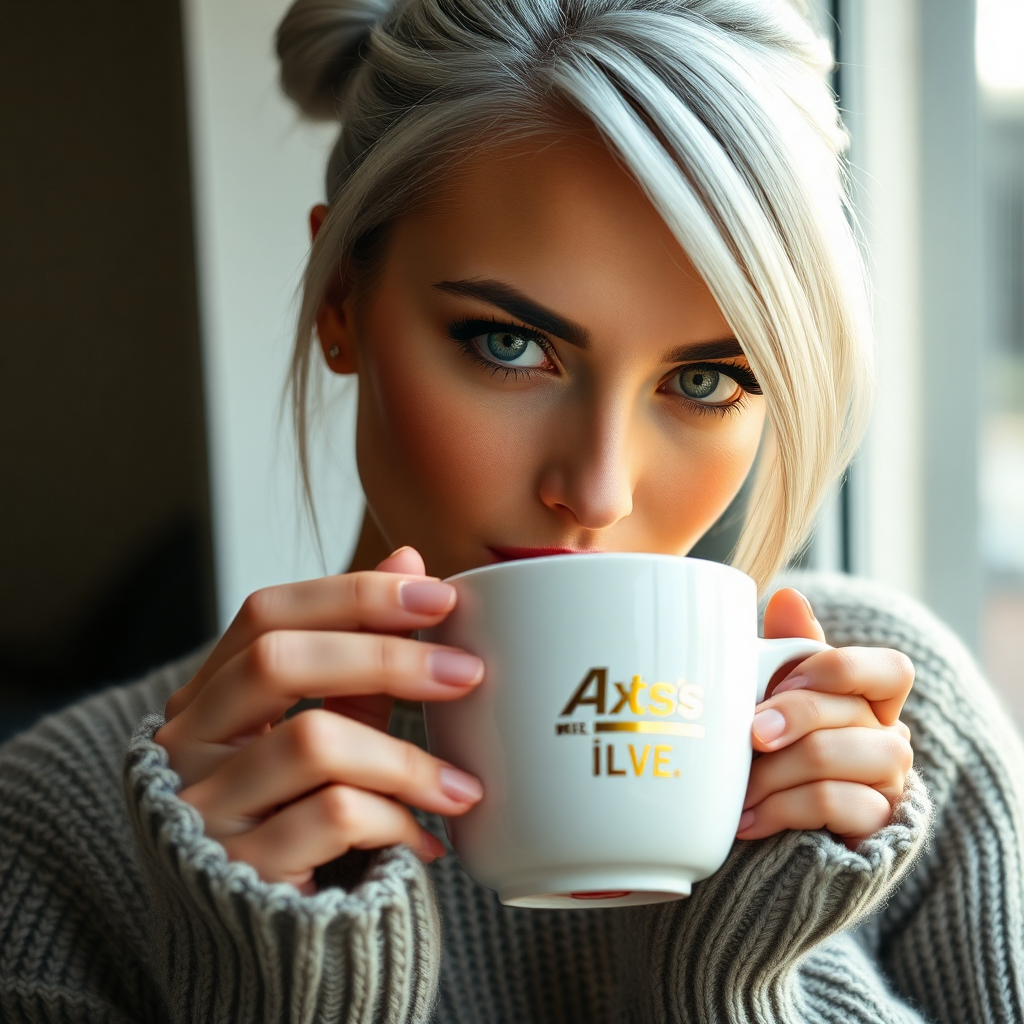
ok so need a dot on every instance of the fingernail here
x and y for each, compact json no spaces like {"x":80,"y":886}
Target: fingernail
{"x":459,"y":786}
{"x":810,"y":610}
{"x":431,"y":847}
{"x":428,"y":597}
{"x":746,"y":820}
{"x":455,"y":668}
{"x":769,"y":724}
{"x":796,"y":681}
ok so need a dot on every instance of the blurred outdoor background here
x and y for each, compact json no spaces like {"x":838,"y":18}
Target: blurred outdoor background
{"x":154,"y":191}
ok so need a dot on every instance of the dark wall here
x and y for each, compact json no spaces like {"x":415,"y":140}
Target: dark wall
{"x":105,"y":564}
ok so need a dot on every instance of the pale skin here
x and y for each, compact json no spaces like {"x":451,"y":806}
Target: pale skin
{"x":583,"y":417}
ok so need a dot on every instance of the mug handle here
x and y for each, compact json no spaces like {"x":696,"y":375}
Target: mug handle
{"x":773,"y":654}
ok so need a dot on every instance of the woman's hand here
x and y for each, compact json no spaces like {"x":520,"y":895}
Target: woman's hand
{"x":287,"y":795}
{"x":833,"y":752}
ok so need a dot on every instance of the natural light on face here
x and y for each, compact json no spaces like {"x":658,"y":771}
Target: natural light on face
{"x":541,"y":368}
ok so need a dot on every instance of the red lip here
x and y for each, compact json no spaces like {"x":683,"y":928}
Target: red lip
{"x":513,"y":554}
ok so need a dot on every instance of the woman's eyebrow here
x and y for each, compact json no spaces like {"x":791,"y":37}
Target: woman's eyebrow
{"x":516,"y":304}
{"x":724,"y":348}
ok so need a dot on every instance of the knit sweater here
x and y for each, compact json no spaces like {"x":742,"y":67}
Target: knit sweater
{"x":115,"y":907}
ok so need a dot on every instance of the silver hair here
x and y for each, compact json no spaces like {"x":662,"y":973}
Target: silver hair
{"x":722,"y":112}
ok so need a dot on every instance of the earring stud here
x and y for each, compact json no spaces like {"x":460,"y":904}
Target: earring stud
{"x":334,"y":352}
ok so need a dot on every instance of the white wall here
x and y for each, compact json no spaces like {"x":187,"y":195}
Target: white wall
{"x":257,"y":171}
{"x":880,"y":85}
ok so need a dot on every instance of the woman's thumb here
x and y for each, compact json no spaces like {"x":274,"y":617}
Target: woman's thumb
{"x":407,"y":561}
{"x":789,"y":613}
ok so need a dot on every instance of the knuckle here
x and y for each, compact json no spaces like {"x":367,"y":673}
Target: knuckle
{"x":844,"y":660}
{"x":895,"y":749}
{"x":811,"y":705}
{"x":878,"y":809}
{"x":387,"y":658}
{"x":340,"y":809}
{"x":411,"y":762}
{"x":259,"y":608}
{"x":866,"y":717}
{"x":817,"y":750}
{"x":904,"y":754}
{"x":312,"y":734}
{"x":268,"y":655}
{"x":825,"y":799}
{"x":905,"y":670}
{"x":362,"y":588}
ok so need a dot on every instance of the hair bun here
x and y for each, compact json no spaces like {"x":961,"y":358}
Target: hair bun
{"x":318,"y":45}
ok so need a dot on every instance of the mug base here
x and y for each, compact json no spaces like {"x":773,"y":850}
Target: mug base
{"x":593,"y":888}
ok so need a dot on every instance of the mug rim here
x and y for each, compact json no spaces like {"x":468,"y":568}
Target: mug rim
{"x":589,"y":556}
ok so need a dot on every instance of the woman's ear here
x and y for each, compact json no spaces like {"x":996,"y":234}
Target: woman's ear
{"x":334,"y":317}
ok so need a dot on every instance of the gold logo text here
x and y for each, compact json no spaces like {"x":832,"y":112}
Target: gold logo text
{"x":655,"y":757}
{"x":660,"y":699}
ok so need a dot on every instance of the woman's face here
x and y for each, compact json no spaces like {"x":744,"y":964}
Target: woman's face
{"x":541,"y":368}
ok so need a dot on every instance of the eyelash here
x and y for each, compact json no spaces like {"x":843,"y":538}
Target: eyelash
{"x":465,"y":331}
{"x":742,"y":375}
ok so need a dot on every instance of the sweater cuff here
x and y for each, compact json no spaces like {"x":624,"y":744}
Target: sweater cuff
{"x":229,"y":946}
{"x":733,"y":950}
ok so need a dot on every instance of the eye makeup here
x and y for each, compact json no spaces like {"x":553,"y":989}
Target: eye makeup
{"x":520,"y":306}
{"x":468,"y":332}
{"x":742,"y":374}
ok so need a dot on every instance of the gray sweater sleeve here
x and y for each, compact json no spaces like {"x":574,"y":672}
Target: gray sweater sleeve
{"x":921,"y":923}
{"x":233,"y":947}
{"x":746,"y":945}
{"x":950,"y":941}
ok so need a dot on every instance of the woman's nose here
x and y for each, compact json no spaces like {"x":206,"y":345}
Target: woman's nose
{"x":590,"y":480}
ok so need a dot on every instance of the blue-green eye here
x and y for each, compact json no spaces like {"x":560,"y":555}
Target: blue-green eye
{"x":503,"y":346}
{"x":705,"y":385}
{"x":509,"y":349}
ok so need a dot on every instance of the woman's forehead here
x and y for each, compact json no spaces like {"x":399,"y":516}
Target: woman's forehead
{"x":563,"y":227}
{"x":562,"y":222}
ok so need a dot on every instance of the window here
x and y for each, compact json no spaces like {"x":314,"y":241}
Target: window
{"x":999,"y":47}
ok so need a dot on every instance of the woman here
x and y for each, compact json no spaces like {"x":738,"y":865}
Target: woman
{"x":585,"y":261}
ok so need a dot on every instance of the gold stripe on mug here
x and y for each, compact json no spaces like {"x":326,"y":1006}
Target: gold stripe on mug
{"x":653,"y":728}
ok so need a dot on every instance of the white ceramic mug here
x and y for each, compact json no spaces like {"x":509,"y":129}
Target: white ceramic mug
{"x":611,"y":731}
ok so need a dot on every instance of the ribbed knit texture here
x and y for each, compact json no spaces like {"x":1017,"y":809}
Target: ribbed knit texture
{"x":115,"y":907}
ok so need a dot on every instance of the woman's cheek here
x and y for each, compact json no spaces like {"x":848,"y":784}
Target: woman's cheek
{"x":436,"y":455}
{"x":712,"y":462}
{"x":442,"y":442}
